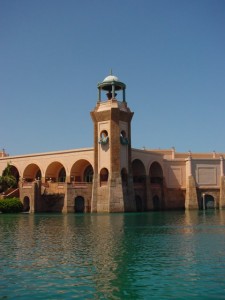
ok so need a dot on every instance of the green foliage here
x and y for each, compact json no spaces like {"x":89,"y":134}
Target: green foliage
{"x":11,"y":205}
{"x":7,"y":180}
{"x":7,"y":170}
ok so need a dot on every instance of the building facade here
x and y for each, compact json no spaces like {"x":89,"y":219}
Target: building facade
{"x":112,"y":176}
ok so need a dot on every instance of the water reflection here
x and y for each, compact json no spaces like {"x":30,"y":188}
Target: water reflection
{"x":112,"y":256}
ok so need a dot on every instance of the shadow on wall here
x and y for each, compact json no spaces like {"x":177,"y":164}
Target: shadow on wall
{"x":53,"y":202}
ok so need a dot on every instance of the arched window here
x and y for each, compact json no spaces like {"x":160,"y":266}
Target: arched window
{"x":104,"y":174}
{"x":123,"y":138}
{"x":156,"y":203}
{"x":156,"y":173}
{"x":138,"y":169}
{"x":62,"y":175}
{"x":104,"y":138}
{"x":55,"y":172}
{"x":26,"y":204}
{"x":123,"y":134}
{"x":88,"y":174}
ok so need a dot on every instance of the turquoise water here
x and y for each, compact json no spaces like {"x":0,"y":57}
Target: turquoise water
{"x":155,"y":255}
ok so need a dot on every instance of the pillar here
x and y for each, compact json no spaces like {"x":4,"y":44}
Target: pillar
{"x":191,"y":199}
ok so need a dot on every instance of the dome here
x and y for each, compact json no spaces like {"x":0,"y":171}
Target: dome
{"x":111,"y":78}
{"x":111,"y":83}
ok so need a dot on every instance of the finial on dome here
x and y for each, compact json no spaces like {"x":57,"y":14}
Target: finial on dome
{"x":111,"y":71}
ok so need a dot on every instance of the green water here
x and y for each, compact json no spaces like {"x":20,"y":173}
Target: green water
{"x":155,"y":255}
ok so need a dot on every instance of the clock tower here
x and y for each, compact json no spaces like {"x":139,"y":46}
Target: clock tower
{"x":113,"y":182}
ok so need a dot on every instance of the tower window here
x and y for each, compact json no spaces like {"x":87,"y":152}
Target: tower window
{"x":123,"y":138}
{"x":104,"y":138}
{"x":104,"y":175}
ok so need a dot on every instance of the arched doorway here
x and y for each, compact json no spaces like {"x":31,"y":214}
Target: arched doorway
{"x":156,"y":203}
{"x":156,"y":173}
{"x":139,"y":173}
{"x":26,"y":204}
{"x":207,"y":202}
{"x":139,"y":183}
{"x":79,"y":204}
{"x":156,"y":184}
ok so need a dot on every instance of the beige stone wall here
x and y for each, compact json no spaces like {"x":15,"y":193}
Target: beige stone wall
{"x":185,"y":177}
{"x":207,"y":172}
{"x":175,"y":174}
{"x":43,"y":160}
{"x":175,"y":199}
{"x":73,"y":192}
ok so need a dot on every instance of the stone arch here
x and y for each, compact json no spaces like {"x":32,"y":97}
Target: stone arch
{"x":79,"y":204}
{"x":104,"y":176}
{"x":26,"y":204}
{"x":138,"y":170}
{"x":82,"y":171}
{"x":139,"y":180}
{"x":14,"y":172}
{"x":156,"y":173}
{"x":54,"y":170}
{"x":32,"y":172}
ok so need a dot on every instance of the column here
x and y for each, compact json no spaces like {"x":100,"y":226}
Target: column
{"x":191,"y":199}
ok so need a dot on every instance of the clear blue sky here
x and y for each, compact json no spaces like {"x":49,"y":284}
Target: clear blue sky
{"x":170,"y":54}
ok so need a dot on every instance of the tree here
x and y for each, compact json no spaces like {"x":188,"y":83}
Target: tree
{"x":7,"y":180}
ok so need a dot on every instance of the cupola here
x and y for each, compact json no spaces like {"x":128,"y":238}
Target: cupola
{"x":111,"y":84}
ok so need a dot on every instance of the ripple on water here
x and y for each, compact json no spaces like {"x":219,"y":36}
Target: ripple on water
{"x":119,"y":256}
